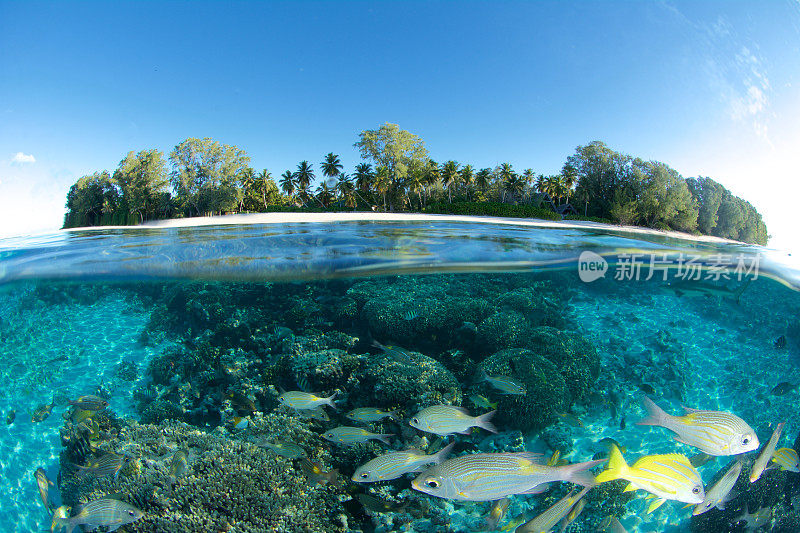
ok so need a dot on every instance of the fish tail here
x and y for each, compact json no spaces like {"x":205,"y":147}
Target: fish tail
{"x":384,"y":437}
{"x":579,"y":473}
{"x":655,"y":415}
{"x":67,"y":523}
{"x":738,"y":292}
{"x":483,"y":421}
{"x":329,"y":400}
{"x":394,"y":414}
{"x":442,"y":454}
{"x":616,"y":466}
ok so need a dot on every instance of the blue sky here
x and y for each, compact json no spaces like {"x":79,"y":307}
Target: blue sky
{"x":710,"y":88}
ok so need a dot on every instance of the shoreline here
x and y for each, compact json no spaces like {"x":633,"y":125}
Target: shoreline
{"x":366,"y":216}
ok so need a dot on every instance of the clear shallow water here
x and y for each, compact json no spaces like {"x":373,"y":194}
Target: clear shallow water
{"x":180,"y":323}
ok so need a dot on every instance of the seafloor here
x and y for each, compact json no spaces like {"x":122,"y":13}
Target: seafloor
{"x":198,"y":367}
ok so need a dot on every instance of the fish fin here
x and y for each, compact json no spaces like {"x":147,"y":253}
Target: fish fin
{"x":442,"y":454}
{"x":384,"y":437}
{"x":629,"y":488}
{"x":655,"y":415}
{"x":461,"y":409}
{"x":679,"y":293}
{"x":467,"y":431}
{"x":689,"y":410}
{"x":281,"y":390}
{"x":538,"y":489}
{"x":483,"y":421}
{"x":655,"y":505}
{"x":394,"y":416}
{"x":329,"y":400}
{"x":738,"y":292}
{"x":617,"y":467}
{"x":579,"y":474}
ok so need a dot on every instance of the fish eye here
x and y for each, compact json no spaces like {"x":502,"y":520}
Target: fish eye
{"x":696,"y":490}
{"x":365,"y":475}
{"x":130,"y":512}
{"x":415,"y":420}
{"x":432,"y":483}
{"x":746,"y":439}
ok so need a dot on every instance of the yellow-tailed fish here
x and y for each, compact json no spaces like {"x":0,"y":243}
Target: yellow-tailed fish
{"x":371,"y":414}
{"x":714,"y":432}
{"x":787,"y":459}
{"x":668,"y":477}
{"x":482,"y":401}
{"x":58,"y":516}
{"x":495,"y":515}
{"x":102,"y":512}
{"x":449,"y":419}
{"x":549,"y":518}
{"x":504,"y":384}
{"x":766,"y":454}
{"x":555,"y":459}
{"x":239,"y":423}
{"x":570,"y":420}
{"x":44,"y":484}
{"x":573,"y":514}
{"x":317,"y":413}
{"x":106,"y":465}
{"x":607,"y":442}
{"x":395,"y":464}
{"x":42,"y":412}
{"x":717,"y":495}
{"x":306,"y":400}
{"x":178,"y":465}
{"x":287,"y":449}
{"x":492,"y":476}
{"x":350,"y":435}
{"x":611,"y":524}
{"x":316,"y":474}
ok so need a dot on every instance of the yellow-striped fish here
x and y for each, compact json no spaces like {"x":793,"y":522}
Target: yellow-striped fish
{"x":103,"y":512}
{"x":495,"y":515}
{"x":766,"y":454}
{"x":717,"y":495}
{"x":305,"y":400}
{"x":668,"y":477}
{"x":555,"y":459}
{"x":548,"y":519}
{"x":492,"y":476}
{"x":395,"y":464}
{"x":714,"y":432}
{"x":371,"y":414}
{"x":351,"y":436}
{"x":504,"y":384}
{"x":107,"y":464}
{"x":449,"y":419}
{"x":573,"y":514}
{"x":787,"y":459}
{"x":482,"y":401}
{"x":58,"y":516}
{"x":44,"y":484}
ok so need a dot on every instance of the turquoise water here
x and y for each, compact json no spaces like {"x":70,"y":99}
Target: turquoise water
{"x":190,"y":334}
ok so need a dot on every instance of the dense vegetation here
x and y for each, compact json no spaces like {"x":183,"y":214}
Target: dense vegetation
{"x":205,"y":177}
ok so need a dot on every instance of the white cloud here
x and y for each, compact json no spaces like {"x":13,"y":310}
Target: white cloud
{"x":21,"y":158}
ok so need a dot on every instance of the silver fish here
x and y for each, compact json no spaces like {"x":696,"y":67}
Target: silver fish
{"x":305,"y":400}
{"x":287,"y":449}
{"x":350,"y":435}
{"x":549,"y":518}
{"x":449,"y":419}
{"x":714,"y":432}
{"x":395,"y":464}
{"x":102,"y":512}
{"x":504,"y":384}
{"x":766,"y":454}
{"x":371,"y":414}
{"x":492,"y":476}
{"x":717,"y":495}
{"x":44,"y":484}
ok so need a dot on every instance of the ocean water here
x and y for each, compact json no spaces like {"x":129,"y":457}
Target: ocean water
{"x":192,"y":333}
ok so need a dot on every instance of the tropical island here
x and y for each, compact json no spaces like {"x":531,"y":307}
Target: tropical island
{"x":202,"y":177}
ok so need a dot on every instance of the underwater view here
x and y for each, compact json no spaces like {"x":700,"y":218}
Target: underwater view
{"x":425,"y":375}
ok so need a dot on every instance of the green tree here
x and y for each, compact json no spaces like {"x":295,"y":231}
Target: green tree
{"x":449,"y":177}
{"x":261,"y":193}
{"x":303,"y":177}
{"x":602,"y":176}
{"x":483,"y":179}
{"x":142,"y":178}
{"x":288,"y":185}
{"x":664,"y":199}
{"x":206,"y":175}
{"x":467,"y":176}
{"x":346,"y":190}
{"x":331,"y":166}
{"x":397,"y":151}
{"x":708,"y":194}
{"x":92,"y":200}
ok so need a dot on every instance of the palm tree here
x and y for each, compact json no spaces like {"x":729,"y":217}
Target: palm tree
{"x":383,"y":182}
{"x":467,"y":177}
{"x":245,"y":182}
{"x":430,"y":175}
{"x":303,"y":177}
{"x":331,"y":166}
{"x":507,"y":177}
{"x":570,"y":175}
{"x":324,"y":194}
{"x":483,"y":178}
{"x":449,"y":177}
{"x":264,"y":176}
{"x":415,"y":181}
{"x":345,"y":188}
{"x":364,"y":177}
{"x":288,"y":185}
